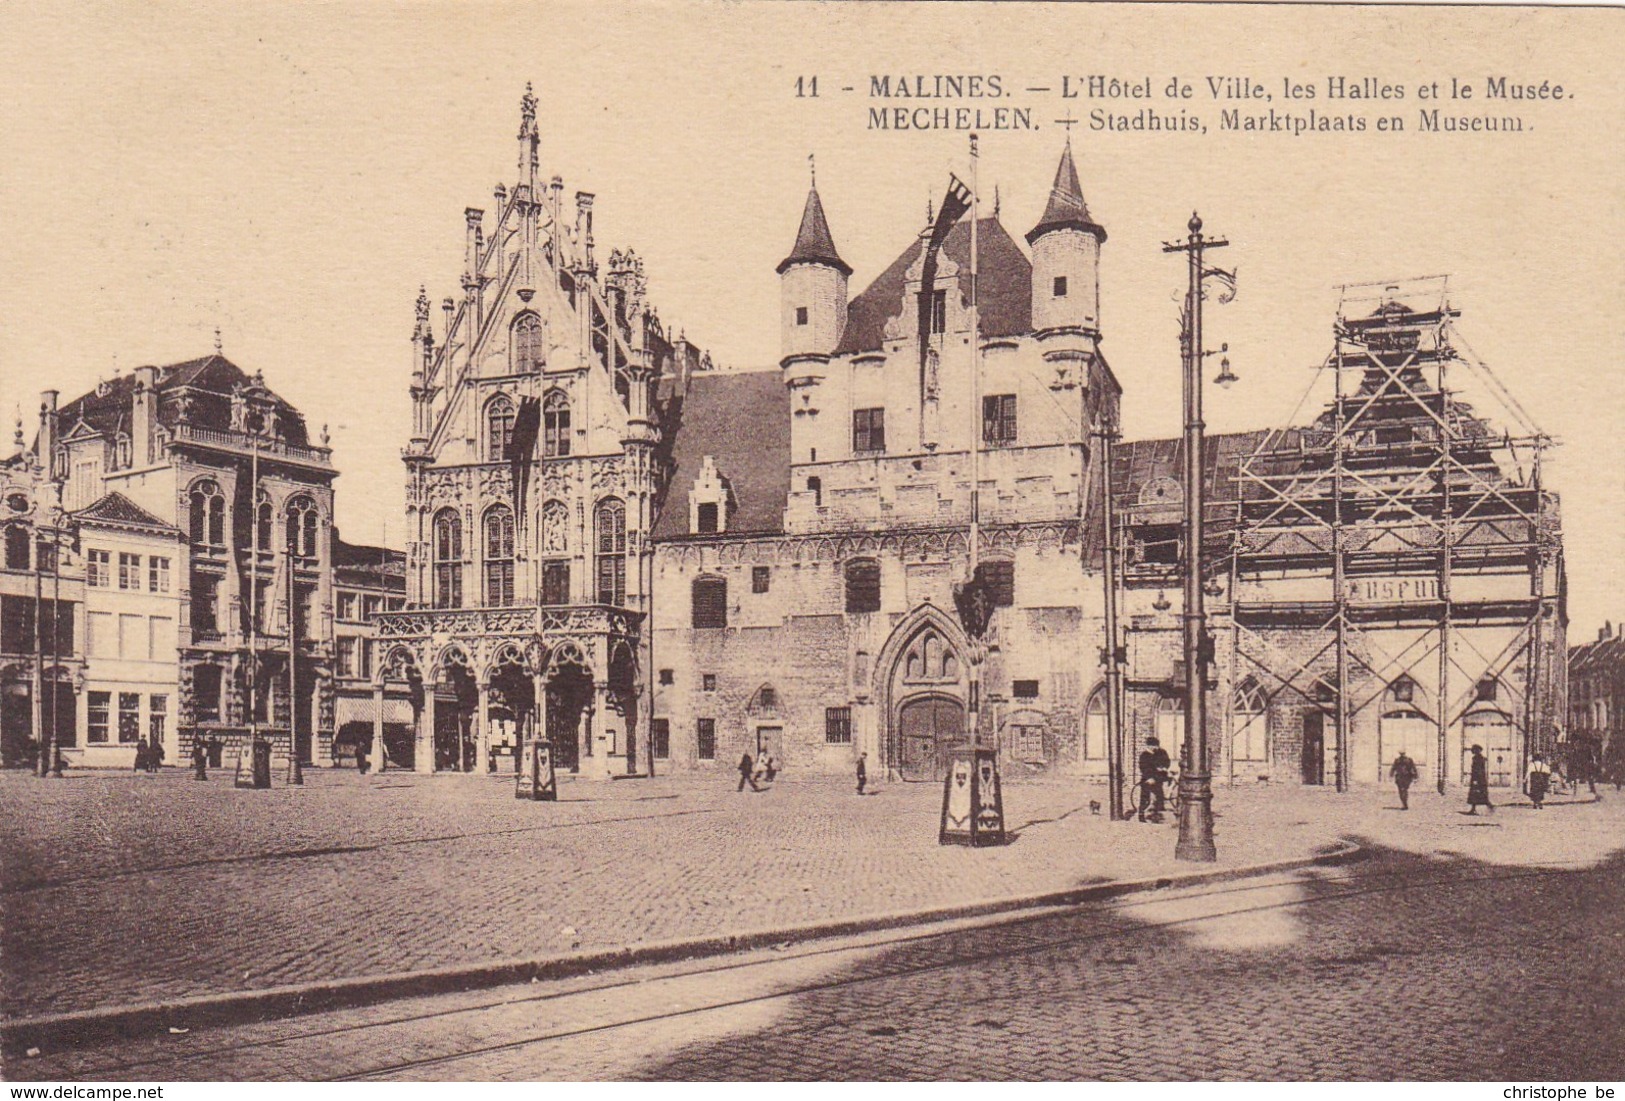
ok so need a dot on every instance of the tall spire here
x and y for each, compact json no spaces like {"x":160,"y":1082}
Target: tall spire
{"x":814,"y":244}
{"x":1066,"y":208}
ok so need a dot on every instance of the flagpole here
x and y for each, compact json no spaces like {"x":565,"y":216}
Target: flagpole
{"x":253,"y":596}
{"x":977,"y":703}
{"x":975,"y":371}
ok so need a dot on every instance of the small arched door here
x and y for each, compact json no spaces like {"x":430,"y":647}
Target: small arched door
{"x":926,"y":729}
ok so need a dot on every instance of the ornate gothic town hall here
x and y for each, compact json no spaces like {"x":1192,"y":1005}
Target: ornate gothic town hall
{"x":659,"y":565}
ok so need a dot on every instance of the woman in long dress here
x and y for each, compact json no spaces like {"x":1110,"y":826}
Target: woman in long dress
{"x":1540,"y":775}
{"x":1478,"y":783}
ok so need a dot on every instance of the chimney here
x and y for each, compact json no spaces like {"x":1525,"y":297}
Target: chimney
{"x":1606,"y":631}
{"x":143,"y":414}
{"x":47,"y":432}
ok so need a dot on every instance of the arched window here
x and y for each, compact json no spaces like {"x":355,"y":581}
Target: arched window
{"x":528,"y":354}
{"x":499,"y":430}
{"x":1095,"y":728}
{"x":609,"y":521}
{"x":208,"y":514}
{"x":302,"y":528}
{"x":498,"y":557}
{"x":710,"y":602}
{"x":555,"y":425}
{"x":262,"y":522}
{"x":16,"y":547}
{"x":1250,"y":723}
{"x":863,"y":585}
{"x":448,"y":559}
{"x":1171,"y":728}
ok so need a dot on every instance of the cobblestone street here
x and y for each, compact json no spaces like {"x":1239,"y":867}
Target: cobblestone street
{"x":121,"y":889}
{"x":1490,"y":951}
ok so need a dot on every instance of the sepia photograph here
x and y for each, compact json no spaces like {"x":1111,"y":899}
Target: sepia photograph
{"x":813,"y":541}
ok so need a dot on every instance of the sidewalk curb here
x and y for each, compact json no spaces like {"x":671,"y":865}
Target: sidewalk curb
{"x":59,"y":1031}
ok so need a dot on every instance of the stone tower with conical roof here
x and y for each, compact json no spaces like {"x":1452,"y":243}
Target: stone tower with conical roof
{"x":1066,"y":259}
{"x":812,"y":282}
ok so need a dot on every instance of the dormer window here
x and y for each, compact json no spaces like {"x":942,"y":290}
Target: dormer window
{"x":710,"y":502}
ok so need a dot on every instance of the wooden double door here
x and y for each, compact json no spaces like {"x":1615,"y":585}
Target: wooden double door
{"x":926,"y":729}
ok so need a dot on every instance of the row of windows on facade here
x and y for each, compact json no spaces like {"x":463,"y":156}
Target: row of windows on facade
{"x":609,"y":526}
{"x":362,"y":607}
{"x":709,"y":595}
{"x":500,"y":414}
{"x":99,"y":571}
{"x":100,"y":718}
{"x":18,"y":617}
{"x":270,"y":605}
{"x":208,"y":699}
{"x":998,"y":424}
{"x":208,"y":521}
{"x":837,"y":731}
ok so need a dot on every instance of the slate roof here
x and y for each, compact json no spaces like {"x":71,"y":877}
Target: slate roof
{"x":1004,"y":271}
{"x":363,"y":564}
{"x":1137,"y":463}
{"x":115,"y":508}
{"x":814,"y":245}
{"x":742,"y":420}
{"x":210,"y":379}
{"x":1066,"y":208}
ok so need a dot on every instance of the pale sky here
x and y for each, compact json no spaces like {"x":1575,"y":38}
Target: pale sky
{"x":292,"y":173}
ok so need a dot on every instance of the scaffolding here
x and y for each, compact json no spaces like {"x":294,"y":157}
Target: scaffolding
{"x":1399,"y":512}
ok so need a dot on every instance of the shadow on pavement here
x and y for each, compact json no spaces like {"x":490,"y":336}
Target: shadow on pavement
{"x":1400,"y":966}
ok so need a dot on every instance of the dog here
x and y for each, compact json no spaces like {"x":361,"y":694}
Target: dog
{"x":1094,"y":806}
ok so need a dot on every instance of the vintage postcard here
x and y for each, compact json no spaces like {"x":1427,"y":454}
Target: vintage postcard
{"x":812,"y":541}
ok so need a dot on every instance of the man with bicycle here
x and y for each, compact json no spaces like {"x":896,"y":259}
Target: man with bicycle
{"x":1154,"y":766}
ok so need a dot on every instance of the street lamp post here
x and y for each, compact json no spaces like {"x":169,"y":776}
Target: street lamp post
{"x":1195,"y":781}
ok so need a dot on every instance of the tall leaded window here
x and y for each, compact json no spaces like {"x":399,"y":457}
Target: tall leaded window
{"x":555,"y":582}
{"x":499,"y":430}
{"x":999,"y":420}
{"x":262,"y":525}
{"x":448,"y":559}
{"x":710,"y":596}
{"x":555,"y":425}
{"x":863,"y":585}
{"x":868,"y":430}
{"x":609,"y":521}
{"x":208,"y":514}
{"x":302,"y":527}
{"x":528,"y":353}
{"x":16,"y":547}
{"x":499,"y":557}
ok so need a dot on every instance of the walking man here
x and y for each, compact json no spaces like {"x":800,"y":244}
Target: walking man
{"x":141,"y":751}
{"x":200,"y":760}
{"x":747,"y":773}
{"x":1403,"y":773}
{"x":1478,"y":783}
{"x":863,"y":771}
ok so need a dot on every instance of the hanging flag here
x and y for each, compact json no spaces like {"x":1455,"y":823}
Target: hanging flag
{"x":954,"y":205}
{"x":527,"y":423}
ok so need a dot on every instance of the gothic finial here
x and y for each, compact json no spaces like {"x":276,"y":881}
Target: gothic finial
{"x":219,"y":349}
{"x":17,"y":436}
{"x":995,"y":200}
{"x":527,"y":104}
{"x":930,"y":214}
{"x":812,"y":170}
{"x":423,"y":303}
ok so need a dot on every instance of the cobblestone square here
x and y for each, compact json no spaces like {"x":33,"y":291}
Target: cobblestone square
{"x":123,"y":889}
